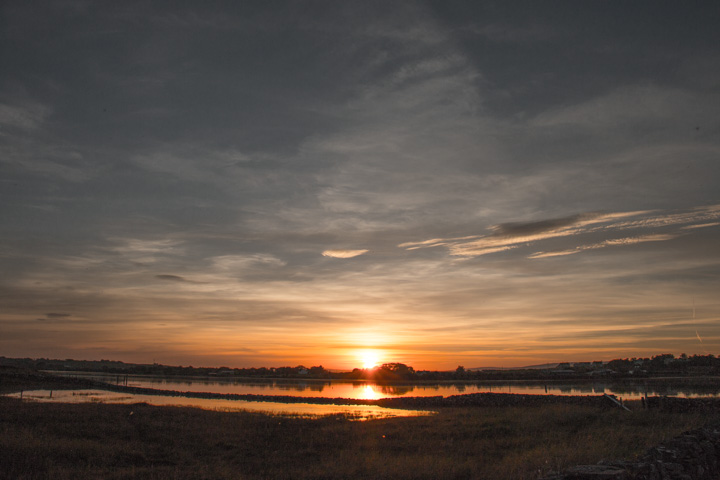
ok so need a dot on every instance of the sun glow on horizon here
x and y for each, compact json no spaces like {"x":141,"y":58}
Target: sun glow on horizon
{"x":369,"y":358}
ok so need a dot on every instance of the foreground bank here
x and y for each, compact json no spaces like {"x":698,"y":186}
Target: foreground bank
{"x":479,"y":436}
{"x":83,"y":441}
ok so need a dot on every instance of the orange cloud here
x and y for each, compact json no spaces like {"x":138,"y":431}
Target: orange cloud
{"x":343,"y":253}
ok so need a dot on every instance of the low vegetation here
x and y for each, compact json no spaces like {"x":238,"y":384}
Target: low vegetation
{"x":89,"y":441}
{"x":628,"y":368}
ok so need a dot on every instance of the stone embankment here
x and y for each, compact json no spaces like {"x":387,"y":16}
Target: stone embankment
{"x":694,"y":455}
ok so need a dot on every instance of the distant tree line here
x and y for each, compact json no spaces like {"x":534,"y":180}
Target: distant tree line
{"x":664,"y":364}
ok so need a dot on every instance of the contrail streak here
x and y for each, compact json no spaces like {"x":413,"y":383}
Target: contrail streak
{"x":696,"y":332}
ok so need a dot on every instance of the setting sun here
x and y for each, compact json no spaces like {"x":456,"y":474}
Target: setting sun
{"x":368,"y":358}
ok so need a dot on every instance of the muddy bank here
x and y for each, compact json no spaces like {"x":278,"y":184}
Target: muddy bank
{"x":682,"y":405}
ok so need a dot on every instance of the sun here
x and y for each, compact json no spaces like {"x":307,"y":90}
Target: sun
{"x":368,"y":358}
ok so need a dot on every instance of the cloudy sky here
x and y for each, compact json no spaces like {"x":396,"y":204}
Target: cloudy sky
{"x":441,"y":183}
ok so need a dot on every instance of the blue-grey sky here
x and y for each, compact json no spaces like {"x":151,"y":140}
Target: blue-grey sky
{"x":286,"y":182}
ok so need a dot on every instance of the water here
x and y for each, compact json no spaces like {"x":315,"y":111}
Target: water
{"x":627,"y":389}
{"x":356,"y":412}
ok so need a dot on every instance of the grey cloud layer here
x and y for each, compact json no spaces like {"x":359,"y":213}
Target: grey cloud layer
{"x":259,"y":164}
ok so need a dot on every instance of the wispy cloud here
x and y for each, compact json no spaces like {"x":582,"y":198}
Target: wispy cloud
{"x":27,"y":116}
{"x":54,"y":316}
{"x":171,"y":278}
{"x":509,"y":236}
{"x":606,"y":243}
{"x":243,"y":262}
{"x":510,"y":33}
{"x":702,"y":225}
{"x":628,"y":105}
{"x":137,"y":247}
{"x":343,"y":253}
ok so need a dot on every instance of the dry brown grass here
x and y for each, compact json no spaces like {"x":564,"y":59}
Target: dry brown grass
{"x":89,"y":441}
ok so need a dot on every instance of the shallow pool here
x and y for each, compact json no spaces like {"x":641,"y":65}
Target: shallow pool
{"x":355,"y":412}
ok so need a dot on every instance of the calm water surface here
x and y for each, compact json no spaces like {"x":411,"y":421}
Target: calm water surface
{"x":371,"y":391}
{"x":359,"y":412}
{"x":347,"y":389}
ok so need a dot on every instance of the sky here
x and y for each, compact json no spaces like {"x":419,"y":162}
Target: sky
{"x":437,"y":183}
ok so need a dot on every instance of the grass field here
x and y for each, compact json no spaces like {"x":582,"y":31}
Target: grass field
{"x":89,"y":441}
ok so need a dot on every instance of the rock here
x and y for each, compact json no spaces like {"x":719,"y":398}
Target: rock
{"x":691,"y":456}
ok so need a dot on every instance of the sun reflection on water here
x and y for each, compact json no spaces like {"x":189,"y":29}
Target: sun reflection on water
{"x":369,"y":393}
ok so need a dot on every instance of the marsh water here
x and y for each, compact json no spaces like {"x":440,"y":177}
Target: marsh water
{"x":358,"y":412}
{"x":626,"y":389}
